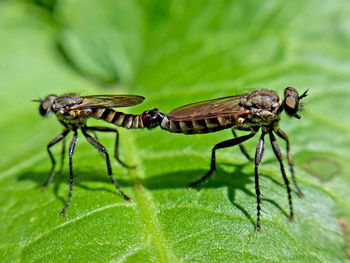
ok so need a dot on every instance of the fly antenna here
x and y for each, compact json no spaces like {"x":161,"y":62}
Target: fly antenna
{"x":303,"y":95}
{"x":39,"y":100}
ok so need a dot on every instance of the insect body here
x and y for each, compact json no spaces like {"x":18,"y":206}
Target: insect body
{"x":73,"y":111}
{"x":259,"y":108}
{"x":253,"y":111}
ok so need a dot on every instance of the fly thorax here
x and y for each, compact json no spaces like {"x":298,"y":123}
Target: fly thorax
{"x":71,"y":119}
{"x":262,"y":99}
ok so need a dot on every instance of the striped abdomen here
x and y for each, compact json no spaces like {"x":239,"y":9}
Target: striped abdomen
{"x":198,"y":126}
{"x":129,"y":121}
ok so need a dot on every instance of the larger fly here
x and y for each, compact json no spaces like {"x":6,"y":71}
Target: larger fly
{"x":254,"y":111}
{"x":72,"y":111}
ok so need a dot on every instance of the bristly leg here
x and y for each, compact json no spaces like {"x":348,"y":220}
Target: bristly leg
{"x":277,"y":151}
{"x":284,"y":136}
{"x":258,"y":156}
{"x":224,"y":144}
{"x":96,"y":137}
{"x":102,"y":149}
{"x":116,"y":149}
{"x":63,"y":153}
{"x":52,"y":143}
{"x":72,"y":144}
{"x":242,"y":148}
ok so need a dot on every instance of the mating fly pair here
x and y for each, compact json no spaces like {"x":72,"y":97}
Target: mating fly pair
{"x":73,"y":111}
{"x":259,"y":109}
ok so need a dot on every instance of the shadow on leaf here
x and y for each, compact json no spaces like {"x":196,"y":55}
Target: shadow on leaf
{"x":236,"y":180}
{"x":79,"y":178}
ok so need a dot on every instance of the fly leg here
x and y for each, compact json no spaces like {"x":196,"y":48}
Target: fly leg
{"x":102,"y":149}
{"x":94,"y":134}
{"x":258,"y":156}
{"x":224,"y":144}
{"x":63,"y":153}
{"x":284,"y":136}
{"x":72,"y":144}
{"x":52,"y":143}
{"x":242,"y":148}
{"x":277,"y":151}
{"x":116,"y":149}
{"x":96,"y":137}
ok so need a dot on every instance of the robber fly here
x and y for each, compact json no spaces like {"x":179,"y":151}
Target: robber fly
{"x":72,"y":111}
{"x":259,"y":109}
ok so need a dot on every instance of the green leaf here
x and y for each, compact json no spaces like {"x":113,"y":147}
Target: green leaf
{"x":173,"y":53}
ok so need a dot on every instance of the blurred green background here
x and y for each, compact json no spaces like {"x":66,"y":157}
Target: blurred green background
{"x":173,"y":53}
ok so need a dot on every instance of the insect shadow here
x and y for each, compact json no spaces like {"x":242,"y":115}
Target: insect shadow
{"x":62,"y":178}
{"x":234,"y":181}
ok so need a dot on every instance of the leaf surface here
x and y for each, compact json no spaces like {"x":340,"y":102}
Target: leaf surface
{"x":174,"y":53}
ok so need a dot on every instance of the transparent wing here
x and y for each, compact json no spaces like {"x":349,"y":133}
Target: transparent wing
{"x":209,"y":109}
{"x":108,"y":101}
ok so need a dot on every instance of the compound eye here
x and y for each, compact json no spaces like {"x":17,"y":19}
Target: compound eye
{"x":44,"y":107}
{"x":291,"y":102}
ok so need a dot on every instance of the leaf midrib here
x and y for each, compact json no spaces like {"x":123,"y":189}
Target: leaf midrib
{"x":144,"y":201}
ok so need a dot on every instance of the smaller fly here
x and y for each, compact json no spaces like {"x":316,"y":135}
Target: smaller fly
{"x":73,"y":110}
{"x":259,"y":109}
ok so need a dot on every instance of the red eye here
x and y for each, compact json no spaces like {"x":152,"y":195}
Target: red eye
{"x":45,"y":105}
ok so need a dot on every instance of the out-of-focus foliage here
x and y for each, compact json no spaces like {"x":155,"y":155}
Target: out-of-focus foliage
{"x":173,"y":53}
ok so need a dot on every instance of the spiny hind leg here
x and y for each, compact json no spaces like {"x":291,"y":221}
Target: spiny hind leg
{"x":284,"y":136}
{"x":277,"y":151}
{"x":224,"y":144}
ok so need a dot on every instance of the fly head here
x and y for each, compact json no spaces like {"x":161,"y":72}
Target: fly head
{"x":45,"y":104}
{"x":291,"y":102}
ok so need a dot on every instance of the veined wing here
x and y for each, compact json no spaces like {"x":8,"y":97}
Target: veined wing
{"x":209,"y":109}
{"x":108,"y":101}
